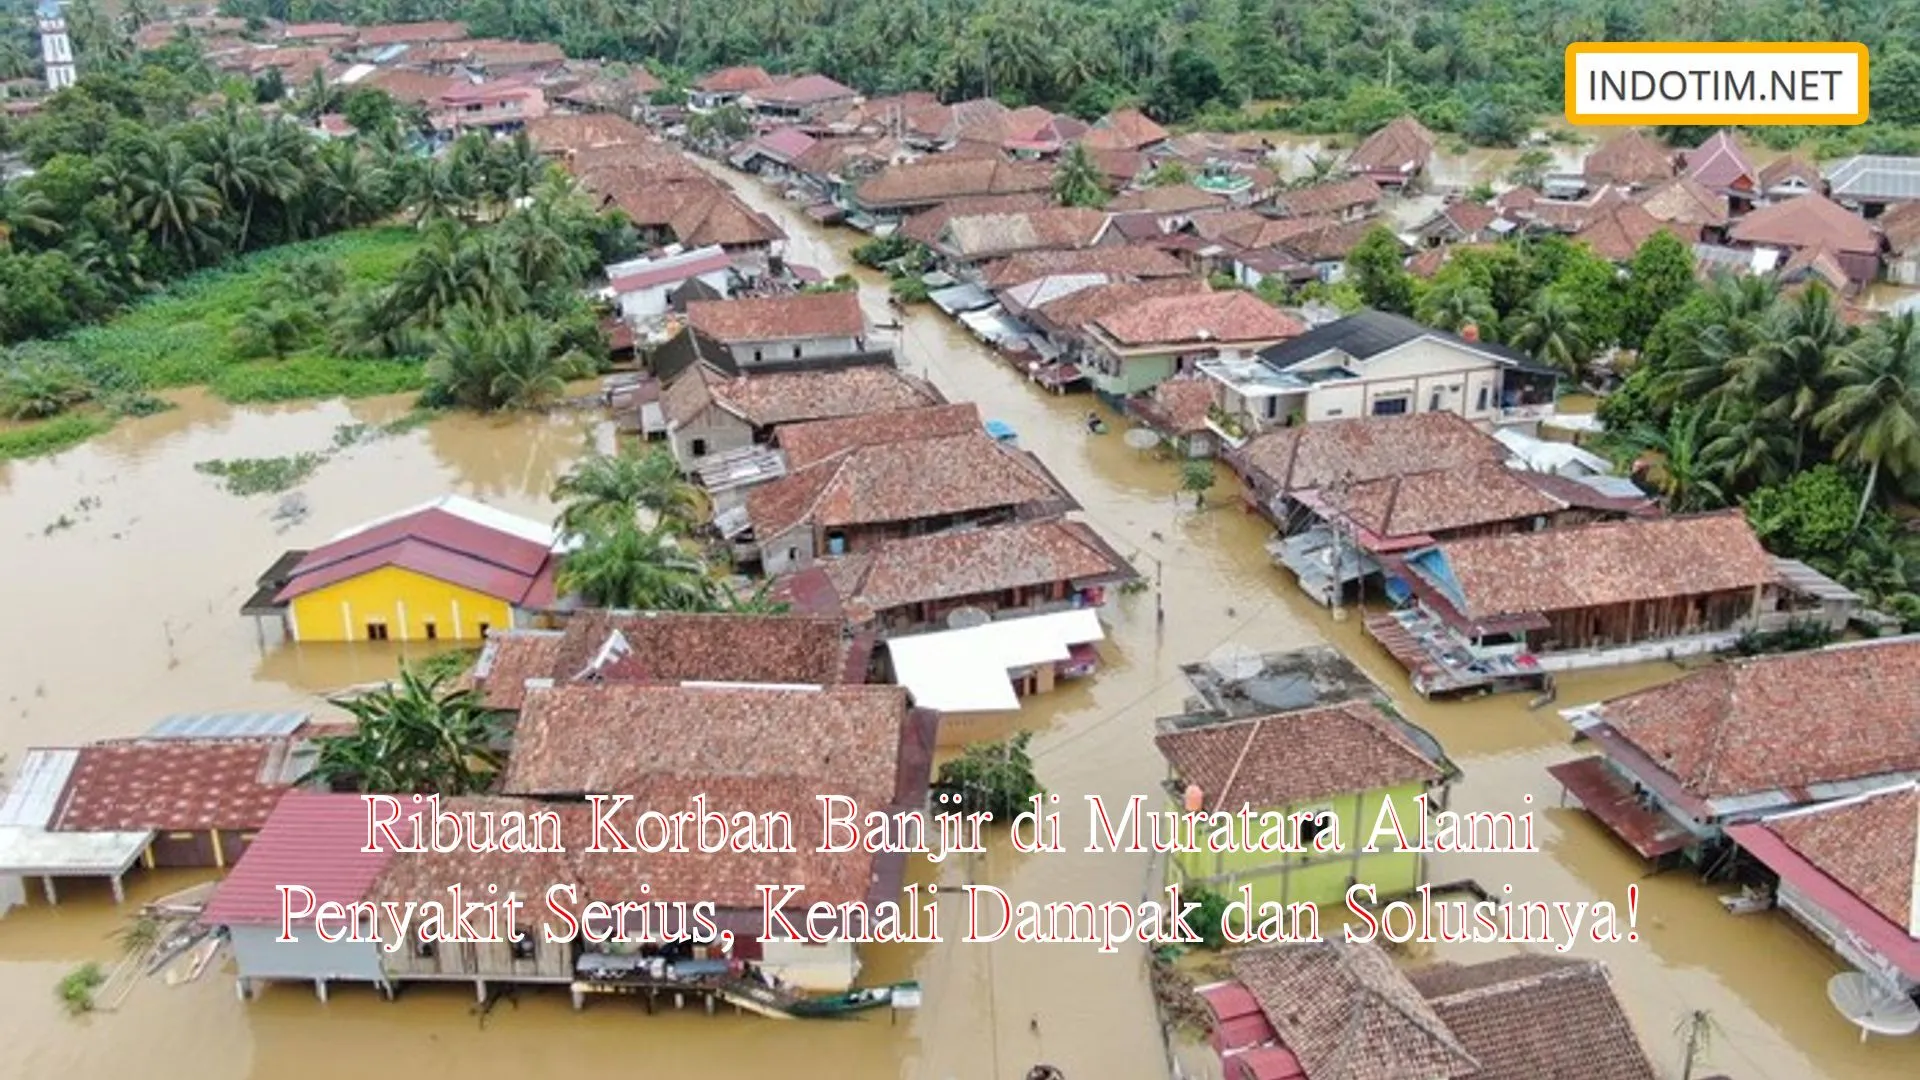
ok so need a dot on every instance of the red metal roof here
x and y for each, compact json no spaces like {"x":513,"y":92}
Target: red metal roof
{"x":1872,"y":927}
{"x":187,"y":784}
{"x":672,"y":272}
{"x":440,"y":545}
{"x":1608,"y":797}
{"x":314,"y":839}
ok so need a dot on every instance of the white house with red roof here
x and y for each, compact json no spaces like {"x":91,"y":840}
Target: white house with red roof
{"x":447,"y":570}
{"x":643,"y":288}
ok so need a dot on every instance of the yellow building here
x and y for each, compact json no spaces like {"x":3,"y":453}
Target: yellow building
{"x":1347,"y":759}
{"x":450,"y":570}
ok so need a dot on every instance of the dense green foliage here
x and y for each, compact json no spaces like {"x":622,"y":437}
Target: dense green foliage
{"x":1481,"y":68}
{"x":995,"y":777}
{"x":414,"y":736}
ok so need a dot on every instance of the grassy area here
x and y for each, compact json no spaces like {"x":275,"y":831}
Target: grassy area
{"x":51,"y":436}
{"x":183,"y":336}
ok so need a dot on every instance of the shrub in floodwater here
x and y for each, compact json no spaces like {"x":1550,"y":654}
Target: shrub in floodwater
{"x":77,"y":988}
{"x":52,"y":436}
{"x":995,"y":777}
{"x":261,"y":476}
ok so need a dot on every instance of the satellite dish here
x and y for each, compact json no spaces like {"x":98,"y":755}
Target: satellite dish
{"x":1142,"y":438}
{"x":1234,"y":663}
{"x":961,"y":618}
{"x":1871,"y":1006}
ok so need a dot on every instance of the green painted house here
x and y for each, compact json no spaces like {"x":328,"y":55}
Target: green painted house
{"x":1142,"y":345}
{"x":1347,"y":758}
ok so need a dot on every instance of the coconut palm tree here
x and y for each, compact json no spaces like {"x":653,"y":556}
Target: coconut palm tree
{"x":26,"y":212}
{"x":349,"y":188}
{"x":1456,"y":303}
{"x":1787,"y":372}
{"x":514,"y":168}
{"x":173,"y":199}
{"x":416,"y":737}
{"x":606,"y":488}
{"x":1873,"y":417}
{"x":1704,"y":368}
{"x":1077,"y":181}
{"x":622,"y":565}
{"x":1550,"y":331}
{"x":1673,"y":459}
{"x":241,"y":166}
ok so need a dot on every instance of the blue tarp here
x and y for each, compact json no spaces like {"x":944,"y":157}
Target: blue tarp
{"x":1432,"y":565}
{"x":1001,"y":430}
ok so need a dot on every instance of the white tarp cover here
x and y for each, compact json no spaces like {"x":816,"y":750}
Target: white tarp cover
{"x":966,"y":670}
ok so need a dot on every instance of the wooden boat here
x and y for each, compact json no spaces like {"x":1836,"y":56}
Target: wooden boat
{"x":852,"y":1001}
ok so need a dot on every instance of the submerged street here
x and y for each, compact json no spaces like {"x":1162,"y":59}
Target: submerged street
{"x":129,"y":568}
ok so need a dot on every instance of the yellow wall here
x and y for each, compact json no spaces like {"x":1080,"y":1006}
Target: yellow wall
{"x":402,"y":599}
{"x":1310,"y":877}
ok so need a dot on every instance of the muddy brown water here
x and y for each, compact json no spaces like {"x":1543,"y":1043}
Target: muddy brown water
{"x":128,"y":614}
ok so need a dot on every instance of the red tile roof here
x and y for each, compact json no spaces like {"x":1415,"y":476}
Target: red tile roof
{"x":670,"y":647}
{"x":1720,"y":163}
{"x":312,"y":838}
{"x":410,"y":87}
{"x":899,"y":482}
{"x":1334,"y":198}
{"x":1810,"y":220}
{"x":1610,"y":563}
{"x":1630,"y":158}
{"x":815,"y":440}
{"x":735,"y":80}
{"x":948,"y":566}
{"x":1869,"y":845}
{"x":670,"y":272}
{"x":412,"y":33}
{"x":1403,"y":146}
{"x":316,"y":31}
{"x":799,"y":317}
{"x":927,"y":225}
{"x":1178,"y":406}
{"x":1444,"y":500}
{"x":1124,"y":129}
{"x":1120,"y":262}
{"x":1276,"y":762}
{"x":558,"y":134}
{"x":1780,"y":722}
{"x":938,"y":179}
{"x":170,"y":784}
{"x":1211,"y":318}
{"x":1078,"y":310}
{"x":1536,"y":1017}
{"x":1686,"y":201}
{"x":1170,"y":199}
{"x":439,"y":544}
{"x":787,"y":397}
{"x":802,"y":90}
{"x":612,"y":737}
{"x":1365,"y":448}
{"x":991,"y":236}
{"x":1618,"y":234}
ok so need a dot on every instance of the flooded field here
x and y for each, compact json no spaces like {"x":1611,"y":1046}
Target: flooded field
{"x":127,"y":567}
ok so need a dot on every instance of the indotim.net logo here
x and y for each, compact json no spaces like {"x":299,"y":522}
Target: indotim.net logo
{"x":1717,"y":82}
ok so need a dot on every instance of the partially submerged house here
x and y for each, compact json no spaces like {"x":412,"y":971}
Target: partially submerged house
{"x":970,"y":240}
{"x":853,"y":501}
{"x":668,"y":648}
{"x":1139,"y":346}
{"x":772,"y":154}
{"x":1344,"y":200}
{"x":798,"y":98}
{"x":1849,"y":871}
{"x":1756,"y":736}
{"x":718,"y":89}
{"x":709,"y":412}
{"x":1177,"y":410}
{"x":1459,"y":222}
{"x":643,"y":288}
{"x":1720,"y":165}
{"x":900,"y":191}
{"x":1631,"y":159}
{"x":1373,"y":363}
{"x":1345,"y":759}
{"x":1395,"y":156}
{"x":999,"y":571}
{"x":763,"y":332}
{"x":1874,"y":183}
{"x":811,"y":441}
{"x":1502,"y":611}
{"x":1813,"y":221}
{"x":446,"y":570}
{"x":1336,"y":1010}
{"x":990,"y":666}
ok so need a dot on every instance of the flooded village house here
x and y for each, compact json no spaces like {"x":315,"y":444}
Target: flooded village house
{"x":1505,"y":610}
{"x":1374,"y":363}
{"x":760,"y":749}
{"x":191,"y":792}
{"x":668,"y":648}
{"x":710,"y":413}
{"x":852,"y":502}
{"x":1331,"y":1010}
{"x":1752,"y":737}
{"x":1138,"y":347}
{"x":447,"y":570}
{"x":1345,"y":759}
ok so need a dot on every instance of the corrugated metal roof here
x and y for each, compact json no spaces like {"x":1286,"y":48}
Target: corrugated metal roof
{"x":236,"y":725}
{"x":313,"y":838}
{"x":36,"y":789}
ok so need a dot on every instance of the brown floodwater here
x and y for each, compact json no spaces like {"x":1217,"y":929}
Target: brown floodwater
{"x":128,"y":613}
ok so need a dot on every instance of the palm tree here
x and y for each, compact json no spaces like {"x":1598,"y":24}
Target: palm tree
{"x":1077,"y":181}
{"x":485,"y":362}
{"x":607,"y":488}
{"x":434,"y":191}
{"x":172,"y":198}
{"x":514,"y":168}
{"x":621,"y":565}
{"x":1456,"y":303}
{"x":25,"y":211}
{"x":1786,"y":373}
{"x":238,"y":163}
{"x":1873,"y":417}
{"x":1704,"y":368}
{"x":1673,"y":459}
{"x":275,"y":330}
{"x":416,"y":738}
{"x":1549,"y":330}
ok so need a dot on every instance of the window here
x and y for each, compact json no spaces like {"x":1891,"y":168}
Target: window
{"x":793,"y":554}
{"x":376,"y":631}
{"x":1314,"y":820}
{"x":433,"y":631}
{"x":484,"y":627}
{"x":1393,"y":406}
{"x":423,"y":949}
{"x":523,"y":944}
{"x":699,"y":448}
{"x":1336,"y":412}
{"x":756,"y":356}
{"x":1481,"y":401}
{"x":796,"y":352}
{"x":1433,"y":402}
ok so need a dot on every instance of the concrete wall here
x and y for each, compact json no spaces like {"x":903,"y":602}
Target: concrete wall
{"x":793,"y":550}
{"x":651,"y":302}
{"x":1430,"y":376}
{"x":752,"y":354}
{"x":1320,"y":879}
{"x":404,"y":601}
{"x":715,"y":430}
{"x":257,"y":954}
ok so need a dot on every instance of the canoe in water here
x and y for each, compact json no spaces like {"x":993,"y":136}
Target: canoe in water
{"x":850,"y":1002}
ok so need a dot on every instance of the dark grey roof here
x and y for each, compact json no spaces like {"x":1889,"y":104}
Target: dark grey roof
{"x":1366,"y":334}
{"x":685,"y":349}
{"x":1874,"y":177}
